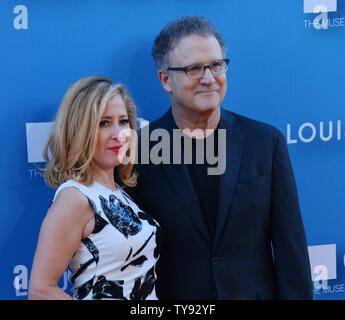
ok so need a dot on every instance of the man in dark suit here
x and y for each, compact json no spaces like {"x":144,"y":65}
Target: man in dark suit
{"x":236,"y":233}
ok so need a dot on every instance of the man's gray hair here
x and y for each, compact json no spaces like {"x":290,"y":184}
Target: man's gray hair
{"x":175,"y":30}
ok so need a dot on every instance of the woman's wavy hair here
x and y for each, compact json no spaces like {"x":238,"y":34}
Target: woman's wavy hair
{"x":72,"y":141}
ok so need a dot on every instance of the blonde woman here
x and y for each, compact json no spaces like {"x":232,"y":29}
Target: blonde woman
{"x":93,"y":227}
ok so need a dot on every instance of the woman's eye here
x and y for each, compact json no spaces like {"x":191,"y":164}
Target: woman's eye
{"x":103,"y":123}
{"x":124,"y":121}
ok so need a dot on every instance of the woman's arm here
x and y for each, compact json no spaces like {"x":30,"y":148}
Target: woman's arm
{"x":60,"y":235}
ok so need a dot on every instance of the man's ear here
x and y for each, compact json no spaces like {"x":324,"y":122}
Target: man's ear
{"x":164,"y":78}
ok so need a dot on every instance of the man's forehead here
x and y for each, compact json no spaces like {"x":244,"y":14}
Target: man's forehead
{"x":195,"y":48}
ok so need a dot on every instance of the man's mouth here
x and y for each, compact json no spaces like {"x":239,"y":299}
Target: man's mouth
{"x":207,"y":91}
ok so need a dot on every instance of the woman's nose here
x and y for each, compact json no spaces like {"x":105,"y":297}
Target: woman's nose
{"x":120,"y":134}
{"x":115,"y":133}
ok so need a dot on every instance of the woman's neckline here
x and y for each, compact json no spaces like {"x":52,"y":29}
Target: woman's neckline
{"x":110,"y":189}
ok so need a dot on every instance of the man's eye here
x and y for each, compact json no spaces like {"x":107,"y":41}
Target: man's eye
{"x":218,"y":65}
{"x":194,"y":69}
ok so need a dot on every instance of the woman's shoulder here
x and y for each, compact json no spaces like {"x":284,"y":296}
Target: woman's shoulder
{"x":70,"y":184}
{"x":71,"y":196}
{"x":70,"y":211}
{"x":90,"y":192}
{"x":71,"y":205}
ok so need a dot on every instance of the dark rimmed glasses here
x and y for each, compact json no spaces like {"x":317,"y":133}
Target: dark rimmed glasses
{"x":196,"y":71}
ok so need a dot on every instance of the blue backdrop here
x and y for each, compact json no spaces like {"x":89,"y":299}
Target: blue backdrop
{"x":287,"y":69}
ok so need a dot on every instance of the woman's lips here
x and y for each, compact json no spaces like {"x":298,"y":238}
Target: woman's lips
{"x":115,"y":149}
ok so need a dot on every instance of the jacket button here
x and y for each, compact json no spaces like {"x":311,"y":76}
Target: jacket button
{"x":215,"y":260}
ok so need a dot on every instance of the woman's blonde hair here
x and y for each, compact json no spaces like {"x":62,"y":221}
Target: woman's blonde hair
{"x":72,"y":141}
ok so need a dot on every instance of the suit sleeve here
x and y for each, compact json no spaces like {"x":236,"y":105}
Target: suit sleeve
{"x":289,"y":244}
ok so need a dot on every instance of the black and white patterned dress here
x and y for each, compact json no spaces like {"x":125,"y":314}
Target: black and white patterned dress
{"x":117,"y":260}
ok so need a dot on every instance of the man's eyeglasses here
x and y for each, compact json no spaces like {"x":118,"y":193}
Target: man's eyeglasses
{"x":196,"y":71}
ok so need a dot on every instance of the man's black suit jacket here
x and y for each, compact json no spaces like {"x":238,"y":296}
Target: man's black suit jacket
{"x":259,"y":250}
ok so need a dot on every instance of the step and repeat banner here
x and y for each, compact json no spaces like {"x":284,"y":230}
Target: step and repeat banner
{"x":287,"y":68}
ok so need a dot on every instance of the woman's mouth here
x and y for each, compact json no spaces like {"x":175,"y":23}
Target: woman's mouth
{"x":116,"y":149}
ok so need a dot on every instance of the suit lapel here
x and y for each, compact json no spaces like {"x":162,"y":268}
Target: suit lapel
{"x":179,"y":178}
{"x":234,"y":147}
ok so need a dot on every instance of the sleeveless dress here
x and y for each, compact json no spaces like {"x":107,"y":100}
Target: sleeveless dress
{"x":117,"y":260}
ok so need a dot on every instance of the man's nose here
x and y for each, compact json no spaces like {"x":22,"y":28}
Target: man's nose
{"x":207,"y":77}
